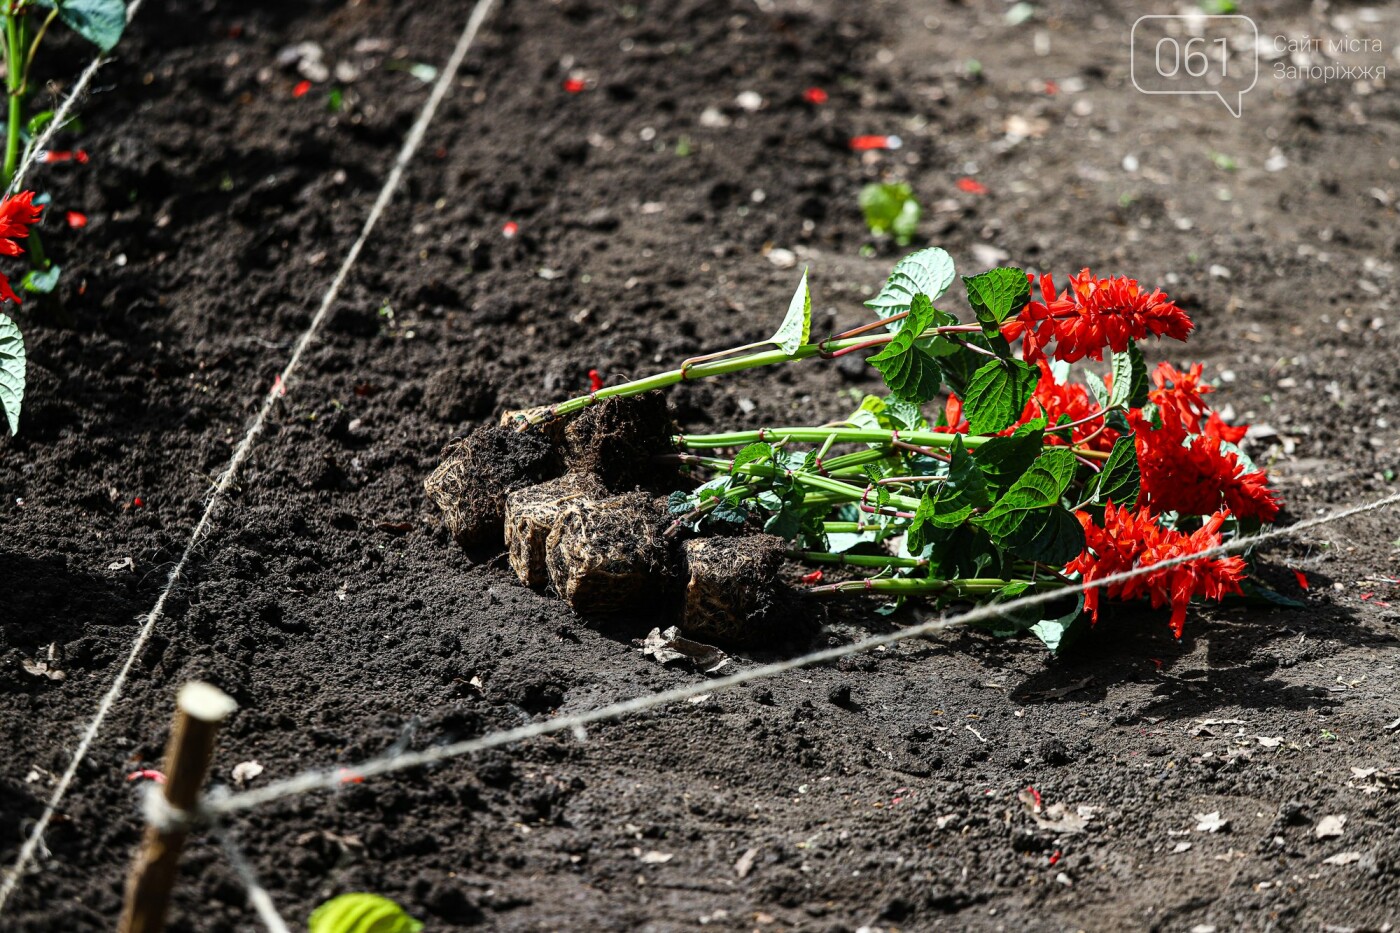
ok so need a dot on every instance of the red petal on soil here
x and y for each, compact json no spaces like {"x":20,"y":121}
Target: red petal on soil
{"x":77,"y":220}
{"x":815,"y":95}
{"x":972,"y":186}
{"x":138,"y":502}
{"x":510,"y":229}
{"x":812,"y":578}
{"x":350,"y":777}
{"x":1035,"y":795}
{"x":1052,"y":88}
{"x":1156,"y":661}
{"x":1055,"y":857}
{"x":574,"y":85}
{"x":595,"y":381}
{"x":1302,"y":578}
{"x":277,"y":386}
{"x":867,"y":143}
{"x":57,"y":155}
{"x":1366,"y":596}
{"x":81,"y":157}
{"x":396,"y":528}
{"x":301,"y":89}
{"x":150,"y":774}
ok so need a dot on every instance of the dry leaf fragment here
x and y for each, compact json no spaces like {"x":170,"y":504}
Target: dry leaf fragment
{"x":1342,"y":858}
{"x":1211,"y":822}
{"x":1329,"y":826}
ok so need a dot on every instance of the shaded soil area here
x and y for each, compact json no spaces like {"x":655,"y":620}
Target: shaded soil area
{"x":1183,"y":785}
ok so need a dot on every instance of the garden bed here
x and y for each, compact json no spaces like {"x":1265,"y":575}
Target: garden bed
{"x":332,"y":603}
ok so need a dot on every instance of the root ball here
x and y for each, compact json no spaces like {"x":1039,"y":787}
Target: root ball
{"x":616,"y":439}
{"x":478,"y":471}
{"x":609,"y":555}
{"x":732,"y":590}
{"x":532,"y":513}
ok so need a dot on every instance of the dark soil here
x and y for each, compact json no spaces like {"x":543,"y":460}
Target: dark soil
{"x":885,"y":792}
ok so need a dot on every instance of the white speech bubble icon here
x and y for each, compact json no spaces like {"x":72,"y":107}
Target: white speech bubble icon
{"x":1196,"y":54}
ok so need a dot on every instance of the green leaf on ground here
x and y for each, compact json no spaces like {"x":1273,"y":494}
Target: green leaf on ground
{"x":997,"y":394}
{"x":1063,"y":631}
{"x":12,"y":370}
{"x":38,"y":282}
{"x":910,"y":371}
{"x":996,"y":295}
{"x":797,"y":325}
{"x":926,"y":272}
{"x":99,"y":21}
{"x":891,"y":209}
{"x":361,"y":913}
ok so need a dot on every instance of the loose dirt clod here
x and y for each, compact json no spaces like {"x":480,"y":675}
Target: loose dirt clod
{"x":478,"y":471}
{"x":732,"y":591}
{"x":533,"y":512}
{"x":609,"y":555}
{"x":616,"y":439}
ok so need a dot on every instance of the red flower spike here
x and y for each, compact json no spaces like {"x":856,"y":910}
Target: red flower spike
{"x":595,"y":381}
{"x":575,"y":85}
{"x":1132,"y":539}
{"x":1194,"y":475}
{"x":1092,"y":315}
{"x":972,"y":186}
{"x":813,"y":578}
{"x":302,"y":88}
{"x":17,"y":214}
{"x":77,"y":220}
{"x":815,"y":95}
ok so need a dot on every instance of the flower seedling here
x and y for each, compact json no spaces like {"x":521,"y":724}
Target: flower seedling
{"x":891,"y":210}
{"x":362,"y":913}
{"x":1026,"y":450}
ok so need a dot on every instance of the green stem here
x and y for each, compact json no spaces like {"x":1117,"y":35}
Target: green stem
{"x":818,"y":435}
{"x":909,"y":586}
{"x":857,"y":560}
{"x":14,"y":78}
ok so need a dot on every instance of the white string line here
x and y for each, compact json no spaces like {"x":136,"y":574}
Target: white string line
{"x":279,"y":388}
{"x":258,"y":898}
{"x":329,"y":778}
{"x":60,"y":117}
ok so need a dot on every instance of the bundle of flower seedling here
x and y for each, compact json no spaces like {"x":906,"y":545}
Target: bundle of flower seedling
{"x":1027,"y":450}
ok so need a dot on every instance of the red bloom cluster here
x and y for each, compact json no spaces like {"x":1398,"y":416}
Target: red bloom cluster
{"x":1194,"y":475}
{"x":1055,"y":400}
{"x":17,"y":214}
{"x":1094,"y":314}
{"x":1133,"y":539}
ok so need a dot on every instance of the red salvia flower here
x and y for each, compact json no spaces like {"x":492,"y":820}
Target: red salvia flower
{"x":1053,"y":400}
{"x":1095,"y":314}
{"x":1179,"y":395}
{"x":17,"y":214}
{"x":1132,"y":539}
{"x":1194,"y":475}
{"x":1216,"y":427}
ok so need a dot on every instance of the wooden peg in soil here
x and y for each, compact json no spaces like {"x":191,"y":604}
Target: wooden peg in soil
{"x":200,"y":710}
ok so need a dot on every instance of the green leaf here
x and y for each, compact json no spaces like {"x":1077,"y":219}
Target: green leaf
{"x":752,"y":453}
{"x":911,"y":373}
{"x":12,"y":367}
{"x":1129,"y":378}
{"x":797,"y":326}
{"x":936,"y":515}
{"x":1120,"y":479}
{"x":38,"y":122}
{"x":1062,"y":632}
{"x":891,"y":208}
{"x":927,"y":272}
{"x":362,"y":913}
{"x":38,"y":282}
{"x":997,"y":394}
{"x":680,"y":502}
{"x":965,"y":480}
{"x":785,"y":523}
{"x":99,"y":21}
{"x":1003,"y":459}
{"x":1029,"y":521}
{"x":996,"y":295}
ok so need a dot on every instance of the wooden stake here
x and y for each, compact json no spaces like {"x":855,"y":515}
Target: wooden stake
{"x":200,"y":709}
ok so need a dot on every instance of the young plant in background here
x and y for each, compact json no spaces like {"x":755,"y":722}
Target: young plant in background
{"x":891,"y":209}
{"x":26,"y":24}
{"x":362,"y":913}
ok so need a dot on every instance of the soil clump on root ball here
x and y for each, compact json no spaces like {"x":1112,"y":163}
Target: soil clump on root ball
{"x":610,"y":555}
{"x":618,"y":439}
{"x":733,"y":593}
{"x":478,"y":471}
{"x":532,"y":513}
